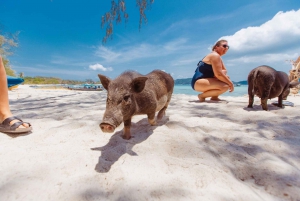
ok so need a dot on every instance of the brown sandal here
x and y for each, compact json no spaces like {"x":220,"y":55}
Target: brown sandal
{"x":5,"y":126}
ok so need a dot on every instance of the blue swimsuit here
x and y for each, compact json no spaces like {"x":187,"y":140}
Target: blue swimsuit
{"x":203,"y":70}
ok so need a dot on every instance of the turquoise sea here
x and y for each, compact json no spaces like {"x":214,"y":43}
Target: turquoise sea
{"x":187,"y":89}
{"x":178,"y":89}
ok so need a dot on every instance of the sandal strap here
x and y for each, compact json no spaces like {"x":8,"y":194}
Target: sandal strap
{"x":7,"y":121}
{"x":15,"y":125}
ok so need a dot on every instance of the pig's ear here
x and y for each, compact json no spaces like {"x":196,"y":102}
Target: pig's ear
{"x":104,"y":81}
{"x":293,"y":83}
{"x":138,"y":84}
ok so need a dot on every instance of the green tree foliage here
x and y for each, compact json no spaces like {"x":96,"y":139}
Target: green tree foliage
{"x":8,"y":69}
{"x":52,"y":80}
{"x":42,"y":80}
{"x":118,"y":11}
{"x":21,"y":75}
{"x":183,"y":81}
{"x":89,"y":81}
{"x":7,"y":43}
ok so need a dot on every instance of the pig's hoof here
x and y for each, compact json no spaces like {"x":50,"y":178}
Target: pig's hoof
{"x":250,"y":106}
{"x":152,"y":122}
{"x":125,"y":137}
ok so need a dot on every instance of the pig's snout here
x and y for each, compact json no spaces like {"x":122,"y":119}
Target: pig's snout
{"x":107,"y":128}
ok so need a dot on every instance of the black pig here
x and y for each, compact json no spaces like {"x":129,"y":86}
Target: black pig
{"x":267,"y":83}
{"x":132,"y":94}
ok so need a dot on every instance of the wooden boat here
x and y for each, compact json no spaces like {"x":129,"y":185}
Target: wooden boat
{"x":13,"y":87}
{"x":86,"y":87}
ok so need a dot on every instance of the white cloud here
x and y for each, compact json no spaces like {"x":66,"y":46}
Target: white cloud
{"x":126,"y":54}
{"x":99,"y":67}
{"x":67,"y":61}
{"x":107,"y":54}
{"x":175,"y":26}
{"x":141,"y":51}
{"x":184,"y":61}
{"x":175,"y":44}
{"x":281,"y":30}
{"x":265,"y":58}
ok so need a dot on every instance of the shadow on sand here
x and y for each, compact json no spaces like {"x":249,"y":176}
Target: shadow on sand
{"x":117,"y":146}
{"x":15,"y":135}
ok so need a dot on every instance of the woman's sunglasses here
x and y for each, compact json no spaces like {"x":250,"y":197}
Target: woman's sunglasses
{"x":225,"y":46}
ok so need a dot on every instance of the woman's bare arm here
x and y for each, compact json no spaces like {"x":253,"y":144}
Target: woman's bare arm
{"x":224,"y":68}
{"x":218,"y":69}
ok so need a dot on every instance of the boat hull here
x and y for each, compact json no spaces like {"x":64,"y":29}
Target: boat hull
{"x":13,"y":81}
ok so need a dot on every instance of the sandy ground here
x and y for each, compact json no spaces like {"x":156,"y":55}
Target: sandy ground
{"x":198,"y":151}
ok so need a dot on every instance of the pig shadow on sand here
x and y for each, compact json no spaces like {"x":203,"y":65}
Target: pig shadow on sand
{"x":117,"y":146}
{"x":257,"y":107}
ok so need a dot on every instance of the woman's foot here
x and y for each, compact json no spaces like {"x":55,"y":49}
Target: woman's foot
{"x":14,"y":124}
{"x":201,"y":99}
{"x":215,"y":98}
{"x":24,"y":125}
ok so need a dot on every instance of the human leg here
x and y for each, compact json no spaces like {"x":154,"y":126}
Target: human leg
{"x":211,"y":87}
{"x":4,"y":102}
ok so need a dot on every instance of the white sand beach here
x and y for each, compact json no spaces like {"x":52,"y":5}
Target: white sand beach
{"x":199,"y":151}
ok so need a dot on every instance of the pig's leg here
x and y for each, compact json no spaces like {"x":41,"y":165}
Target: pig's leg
{"x":126,"y":130}
{"x":265,"y":95}
{"x":251,"y":99}
{"x":151,"y":119}
{"x":251,"y":95}
{"x":161,"y":113}
{"x":280,"y":101}
{"x":264,"y":104}
{"x":264,"y":100}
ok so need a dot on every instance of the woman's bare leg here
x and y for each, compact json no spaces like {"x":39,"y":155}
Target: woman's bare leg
{"x":4,"y":102}
{"x":211,"y":87}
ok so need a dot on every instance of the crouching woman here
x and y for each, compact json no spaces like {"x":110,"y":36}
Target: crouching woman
{"x":210,"y":77}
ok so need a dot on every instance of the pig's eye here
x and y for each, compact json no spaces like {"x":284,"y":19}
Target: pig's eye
{"x":126,"y":98}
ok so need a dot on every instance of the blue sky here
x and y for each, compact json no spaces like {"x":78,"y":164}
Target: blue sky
{"x":61,"y":38}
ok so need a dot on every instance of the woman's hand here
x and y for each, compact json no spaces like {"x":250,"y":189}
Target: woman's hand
{"x":225,"y":73}
{"x":231,"y":87}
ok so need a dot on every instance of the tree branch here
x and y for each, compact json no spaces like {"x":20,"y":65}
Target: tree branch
{"x":118,"y":12}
